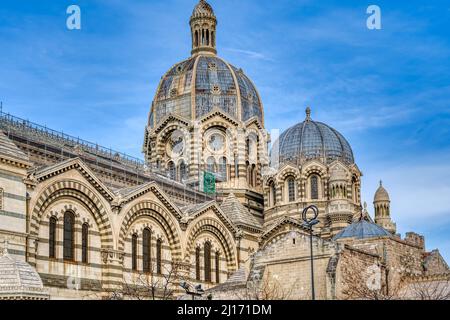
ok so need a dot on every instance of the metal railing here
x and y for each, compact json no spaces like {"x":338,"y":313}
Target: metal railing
{"x":12,"y":123}
{"x":33,"y":132}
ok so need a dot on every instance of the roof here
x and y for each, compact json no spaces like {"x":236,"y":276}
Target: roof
{"x":215,"y":81}
{"x":19,"y":280}
{"x":362,"y":230}
{"x":381,"y":194}
{"x":9,"y":149}
{"x":192,"y":209}
{"x":237,"y":280}
{"x":309,"y":140}
{"x":237,"y":213}
{"x":203,"y":8}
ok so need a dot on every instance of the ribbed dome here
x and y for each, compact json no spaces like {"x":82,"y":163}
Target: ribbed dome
{"x":209,"y":82}
{"x":203,"y":8}
{"x":362,"y":230}
{"x":19,"y":280}
{"x":313,"y":140}
{"x":381,"y":194}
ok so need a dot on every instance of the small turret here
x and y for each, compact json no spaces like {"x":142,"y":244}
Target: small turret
{"x":382,"y":206}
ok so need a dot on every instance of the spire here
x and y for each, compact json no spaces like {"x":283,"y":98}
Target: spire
{"x":308,"y":113}
{"x":203,"y":29}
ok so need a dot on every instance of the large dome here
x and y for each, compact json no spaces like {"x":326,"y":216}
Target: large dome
{"x":313,"y":140}
{"x":194,"y":87}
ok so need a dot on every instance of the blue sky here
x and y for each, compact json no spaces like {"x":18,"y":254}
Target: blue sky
{"x":387,"y":91}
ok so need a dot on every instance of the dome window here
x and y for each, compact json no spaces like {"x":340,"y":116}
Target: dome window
{"x":173,"y":92}
{"x":215,"y":89}
{"x":212,"y":66}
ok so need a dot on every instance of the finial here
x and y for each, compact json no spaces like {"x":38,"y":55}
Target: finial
{"x":308,"y":113}
{"x":365,"y":206}
{"x":381,"y":183}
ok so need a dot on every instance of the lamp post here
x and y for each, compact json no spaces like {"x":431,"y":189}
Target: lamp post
{"x":188,"y":288}
{"x":309,"y":223}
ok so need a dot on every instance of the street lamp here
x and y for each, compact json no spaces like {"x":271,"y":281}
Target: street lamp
{"x":309,"y":223}
{"x":198,"y":290}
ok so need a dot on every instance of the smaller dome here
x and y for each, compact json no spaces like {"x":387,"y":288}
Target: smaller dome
{"x":362,"y":230}
{"x":381,"y":194}
{"x":203,"y":8}
{"x":19,"y":280}
{"x":313,"y":140}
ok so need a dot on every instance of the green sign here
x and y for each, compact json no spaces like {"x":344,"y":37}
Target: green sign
{"x":209,"y":182}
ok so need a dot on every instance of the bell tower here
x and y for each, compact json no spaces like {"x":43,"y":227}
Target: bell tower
{"x":203,"y":29}
{"x":381,"y":203}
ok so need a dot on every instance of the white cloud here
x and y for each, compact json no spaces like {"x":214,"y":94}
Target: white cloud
{"x":250,"y":54}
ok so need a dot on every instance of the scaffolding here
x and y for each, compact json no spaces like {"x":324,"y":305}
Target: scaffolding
{"x":118,"y":170}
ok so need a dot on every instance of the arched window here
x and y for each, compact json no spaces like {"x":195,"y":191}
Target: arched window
{"x":52,"y":238}
{"x":207,"y":37}
{"x":211,"y":164}
{"x":249,"y":173}
{"x":253,"y":177}
{"x":182,"y":170}
{"x":354,"y":189}
{"x":134,"y":240}
{"x":84,"y":242}
{"x":217,"y":267}
{"x":158,"y":256}
{"x":236,"y":166}
{"x":172,"y":170}
{"x":197,"y":263}
{"x":314,"y":187}
{"x":196,"y":38}
{"x":68,"y":239}
{"x":207,"y":253}
{"x":291,"y":189}
{"x":272,"y":194}
{"x":146,"y":250}
{"x":223,"y":168}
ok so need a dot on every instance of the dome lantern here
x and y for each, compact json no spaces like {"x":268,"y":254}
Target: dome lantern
{"x":203,"y":29}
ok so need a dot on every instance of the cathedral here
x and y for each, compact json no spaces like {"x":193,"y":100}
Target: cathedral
{"x":210,"y":205}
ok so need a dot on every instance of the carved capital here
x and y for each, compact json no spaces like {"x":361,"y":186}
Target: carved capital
{"x":112,"y":257}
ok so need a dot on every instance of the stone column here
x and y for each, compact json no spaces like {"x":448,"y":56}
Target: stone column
{"x":112,"y":272}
